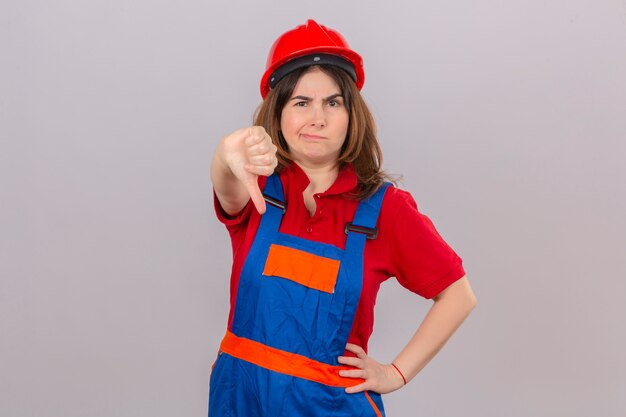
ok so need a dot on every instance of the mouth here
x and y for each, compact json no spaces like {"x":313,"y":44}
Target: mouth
{"x":312,"y":137}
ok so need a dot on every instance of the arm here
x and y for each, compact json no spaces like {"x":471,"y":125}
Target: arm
{"x":238,"y":161}
{"x":449,"y":310}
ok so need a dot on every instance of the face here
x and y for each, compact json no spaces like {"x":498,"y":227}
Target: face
{"x":314,"y":121}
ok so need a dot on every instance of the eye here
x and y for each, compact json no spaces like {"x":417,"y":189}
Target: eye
{"x":334,"y":103}
{"x":300,"y":104}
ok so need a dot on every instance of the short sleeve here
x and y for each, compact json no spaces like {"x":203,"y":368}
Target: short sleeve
{"x":240,"y":220}
{"x":421,"y":260}
{"x":228,"y":220}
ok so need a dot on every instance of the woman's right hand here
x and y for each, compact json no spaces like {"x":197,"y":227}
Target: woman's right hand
{"x":248,"y":153}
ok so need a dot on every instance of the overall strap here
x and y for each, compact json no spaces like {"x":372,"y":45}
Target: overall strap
{"x":364,"y":224}
{"x":275,"y":205}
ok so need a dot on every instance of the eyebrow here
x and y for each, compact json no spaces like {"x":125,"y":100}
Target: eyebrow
{"x":326,"y":99}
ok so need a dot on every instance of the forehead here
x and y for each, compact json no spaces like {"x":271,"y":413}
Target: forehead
{"x":316,"y":83}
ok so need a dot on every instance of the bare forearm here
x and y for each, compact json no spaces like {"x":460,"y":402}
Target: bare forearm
{"x":448,"y":312}
{"x":230,"y":191}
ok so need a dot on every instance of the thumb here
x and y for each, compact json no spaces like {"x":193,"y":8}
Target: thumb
{"x":252,"y":186}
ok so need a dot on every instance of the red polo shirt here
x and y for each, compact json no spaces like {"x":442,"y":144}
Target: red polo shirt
{"x":408,"y":246}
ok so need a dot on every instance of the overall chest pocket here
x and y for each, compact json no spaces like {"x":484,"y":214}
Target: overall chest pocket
{"x":312,"y":271}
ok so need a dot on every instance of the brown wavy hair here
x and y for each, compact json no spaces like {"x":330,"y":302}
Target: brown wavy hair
{"x":360,"y":148}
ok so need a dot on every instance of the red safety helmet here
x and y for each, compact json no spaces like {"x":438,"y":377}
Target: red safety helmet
{"x":310,"y":44}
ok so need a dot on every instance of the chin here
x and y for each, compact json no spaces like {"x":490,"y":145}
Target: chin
{"x":318,"y":159}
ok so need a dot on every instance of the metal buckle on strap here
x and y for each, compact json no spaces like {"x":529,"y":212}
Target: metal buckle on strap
{"x":276,"y":203}
{"x":369,"y":232}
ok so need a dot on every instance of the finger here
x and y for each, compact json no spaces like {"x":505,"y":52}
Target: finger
{"x":356,"y":349}
{"x":241,"y":134}
{"x":257,"y":130}
{"x":364,"y":386}
{"x":348,"y":360}
{"x":255,"y":194}
{"x":265,"y":170}
{"x":255,"y":135}
{"x":260,"y":160}
{"x":353,"y":373}
{"x":259,"y":149}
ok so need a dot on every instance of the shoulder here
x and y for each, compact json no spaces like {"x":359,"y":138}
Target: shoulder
{"x":398,"y":206}
{"x":401,"y":216}
{"x":397,"y":201}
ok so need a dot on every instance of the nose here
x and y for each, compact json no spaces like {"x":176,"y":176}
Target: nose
{"x":318,"y":116}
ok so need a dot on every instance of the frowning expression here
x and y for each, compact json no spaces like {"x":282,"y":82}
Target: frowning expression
{"x":314,"y":122}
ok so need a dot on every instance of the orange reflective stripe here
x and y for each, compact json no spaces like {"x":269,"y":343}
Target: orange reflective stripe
{"x":373,"y":404}
{"x":310,"y":270}
{"x":285,"y":362}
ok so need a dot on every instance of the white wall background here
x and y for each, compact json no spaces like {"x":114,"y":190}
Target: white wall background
{"x":507,"y":120}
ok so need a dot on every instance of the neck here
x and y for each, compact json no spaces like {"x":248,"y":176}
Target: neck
{"x":321,"y":177}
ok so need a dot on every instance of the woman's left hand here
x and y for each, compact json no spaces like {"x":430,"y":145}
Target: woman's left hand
{"x":378,"y":377}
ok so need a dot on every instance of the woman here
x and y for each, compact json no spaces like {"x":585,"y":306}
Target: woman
{"x":315,"y":231}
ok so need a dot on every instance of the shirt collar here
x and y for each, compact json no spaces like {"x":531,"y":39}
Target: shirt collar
{"x":346,"y":179}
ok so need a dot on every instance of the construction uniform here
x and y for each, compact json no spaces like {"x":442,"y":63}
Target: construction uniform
{"x":295,"y":302}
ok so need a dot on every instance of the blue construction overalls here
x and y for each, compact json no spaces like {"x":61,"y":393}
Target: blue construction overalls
{"x":292,"y":321}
